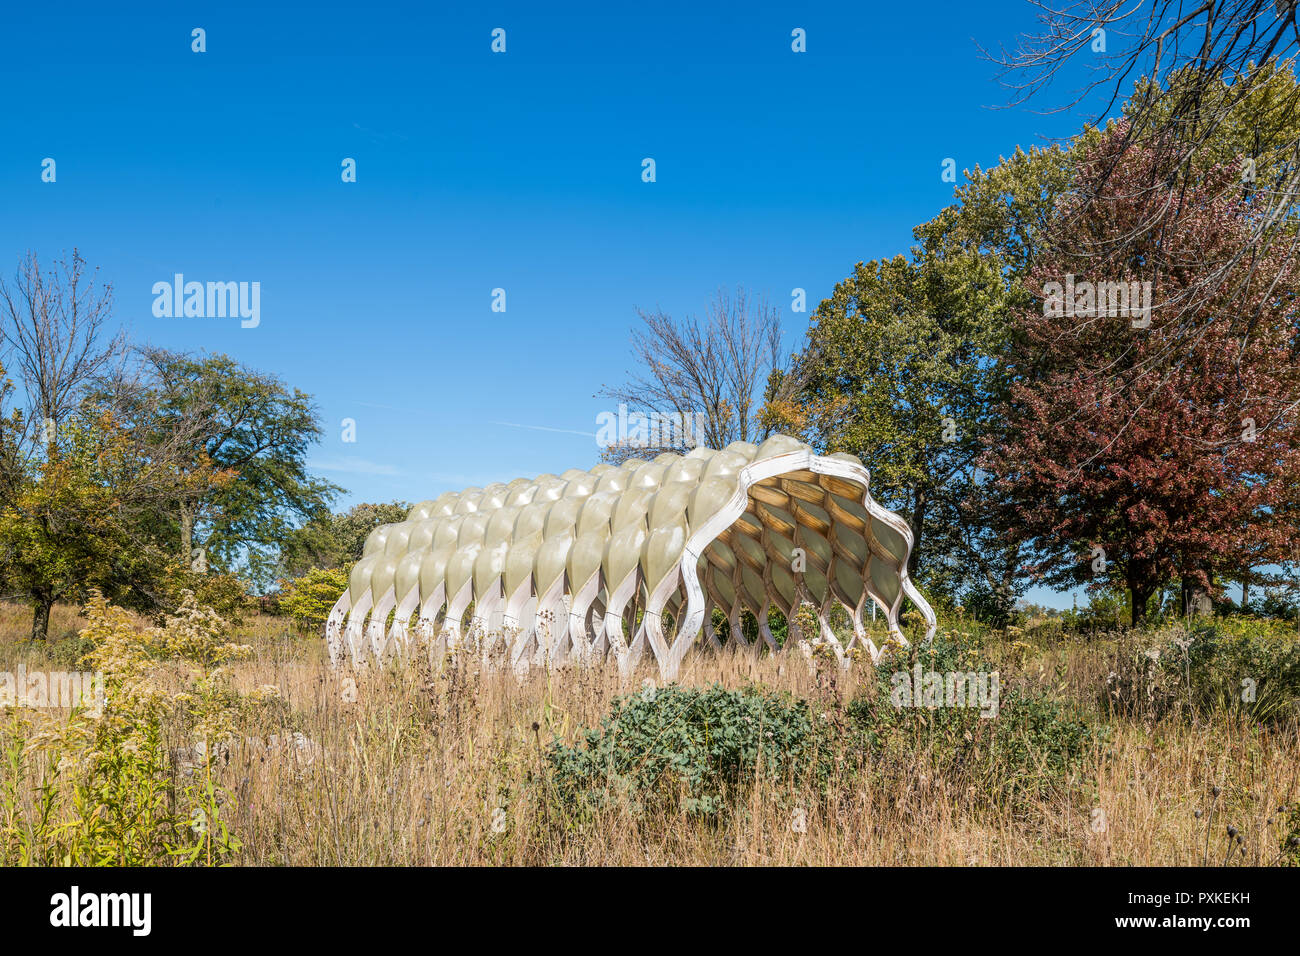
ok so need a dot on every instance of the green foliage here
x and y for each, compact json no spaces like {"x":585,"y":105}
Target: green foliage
{"x":702,"y":750}
{"x":1263,"y":124}
{"x":906,"y":360}
{"x":1276,"y":605}
{"x":225,"y":593}
{"x":73,"y":512}
{"x":205,"y":459}
{"x":309,"y":598}
{"x":684,"y":747}
{"x":256,"y":431}
{"x":337,"y":540}
{"x":898,"y":371}
{"x":109,"y":791}
{"x":1034,"y":743}
{"x":1241,"y":665}
{"x":903,"y":367}
{"x":992,"y":606}
{"x":1251,"y":627}
{"x":1110,"y":608}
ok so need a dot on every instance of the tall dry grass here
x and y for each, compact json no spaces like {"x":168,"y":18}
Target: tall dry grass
{"x":411,"y":766}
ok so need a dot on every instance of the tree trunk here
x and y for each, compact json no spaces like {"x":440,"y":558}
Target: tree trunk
{"x":918,"y":523}
{"x":1141,"y":598}
{"x":1195,"y":599}
{"x":187,"y":534}
{"x":1140,"y":589}
{"x":41,"y":618}
{"x":1245,"y":588}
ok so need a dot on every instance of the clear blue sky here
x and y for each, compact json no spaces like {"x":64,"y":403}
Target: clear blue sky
{"x":475,"y":171}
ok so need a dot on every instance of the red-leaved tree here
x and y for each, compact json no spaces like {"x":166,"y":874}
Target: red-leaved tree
{"x":1140,"y":451}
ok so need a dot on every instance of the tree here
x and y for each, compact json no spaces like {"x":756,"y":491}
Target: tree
{"x":112,"y":472}
{"x":1142,"y":447}
{"x":310,"y":597}
{"x":706,"y":375}
{"x":76,"y":517}
{"x":80,"y":488}
{"x":251,"y":429}
{"x":55,"y":324}
{"x":1008,"y":217}
{"x":899,"y":370}
{"x":336,"y":540}
{"x":1011,"y":211}
{"x":1208,"y":88}
{"x":902,"y":366}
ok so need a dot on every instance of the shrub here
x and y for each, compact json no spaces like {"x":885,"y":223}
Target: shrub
{"x":1277,"y":605}
{"x":226,"y":594}
{"x":1032,"y":745}
{"x":992,"y":606}
{"x":1234,"y":664}
{"x":683,"y":747}
{"x":308,"y":599}
{"x":1249,"y":626}
{"x":108,"y":788}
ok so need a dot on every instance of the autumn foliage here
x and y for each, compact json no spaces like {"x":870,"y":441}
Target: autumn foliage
{"x":1139,"y":454}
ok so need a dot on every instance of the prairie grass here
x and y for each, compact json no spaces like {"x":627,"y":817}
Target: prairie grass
{"x":413,"y":765}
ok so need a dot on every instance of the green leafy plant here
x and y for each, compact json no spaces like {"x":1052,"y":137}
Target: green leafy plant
{"x":227,"y":594}
{"x":1033,"y":743}
{"x":1236,"y":665}
{"x":108,"y":790}
{"x":683,"y":747}
{"x":1241,"y":666}
{"x":309,"y":598}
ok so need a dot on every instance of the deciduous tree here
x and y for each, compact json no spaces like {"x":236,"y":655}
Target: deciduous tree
{"x":718,"y":371}
{"x":249,"y":427}
{"x":1141,"y":454}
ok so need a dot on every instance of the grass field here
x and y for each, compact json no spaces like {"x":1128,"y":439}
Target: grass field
{"x":412,"y":765}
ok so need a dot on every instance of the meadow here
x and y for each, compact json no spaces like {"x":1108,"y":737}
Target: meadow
{"x":240,"y":745}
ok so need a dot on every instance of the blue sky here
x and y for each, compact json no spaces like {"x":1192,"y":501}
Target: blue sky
{"x":477,"y":171}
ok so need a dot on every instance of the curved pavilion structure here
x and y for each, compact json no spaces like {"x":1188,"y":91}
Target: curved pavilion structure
{"x":556,"y":567}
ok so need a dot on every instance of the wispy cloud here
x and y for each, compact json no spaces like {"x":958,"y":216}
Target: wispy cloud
{"x":358,"y":466}
{"x":535,"y":428}
{"x":545,"y":428}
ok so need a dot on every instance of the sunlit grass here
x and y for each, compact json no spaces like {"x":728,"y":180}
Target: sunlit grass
{"x":412,"y":765}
